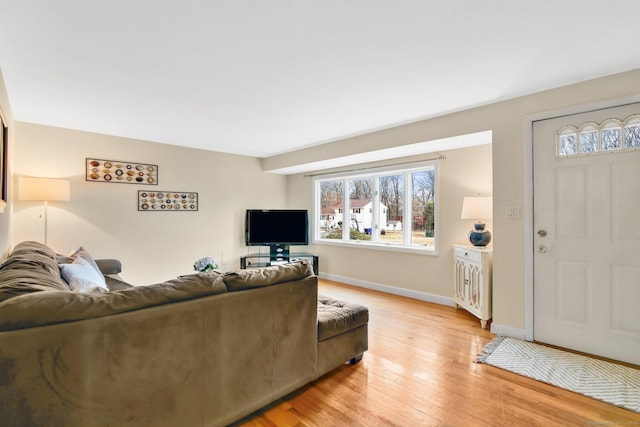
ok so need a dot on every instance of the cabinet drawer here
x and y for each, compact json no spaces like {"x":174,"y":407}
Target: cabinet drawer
{"x":467,"y":254}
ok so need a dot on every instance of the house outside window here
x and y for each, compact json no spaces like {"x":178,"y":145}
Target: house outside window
{"x":386,"y":208}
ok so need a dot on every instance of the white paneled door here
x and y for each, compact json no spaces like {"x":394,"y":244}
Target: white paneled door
{"x":587,"y":232}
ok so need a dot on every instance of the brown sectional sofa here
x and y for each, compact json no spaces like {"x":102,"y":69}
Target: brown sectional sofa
{"x":200,"y":350}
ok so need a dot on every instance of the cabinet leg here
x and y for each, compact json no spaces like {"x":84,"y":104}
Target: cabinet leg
{"x":483,"y":324}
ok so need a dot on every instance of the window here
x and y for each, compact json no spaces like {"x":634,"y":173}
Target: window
{"x":612,"y":135}
{"x":393,"y":208}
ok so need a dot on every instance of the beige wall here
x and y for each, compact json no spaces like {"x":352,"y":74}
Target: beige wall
{"x":5,"y":218}
{"x":507,"y":120}
{"x":103,"y":217}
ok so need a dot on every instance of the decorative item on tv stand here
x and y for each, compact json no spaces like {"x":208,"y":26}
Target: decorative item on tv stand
{"x":478,"y":208}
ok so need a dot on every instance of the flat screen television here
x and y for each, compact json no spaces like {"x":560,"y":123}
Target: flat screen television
{"x":277,"y":228}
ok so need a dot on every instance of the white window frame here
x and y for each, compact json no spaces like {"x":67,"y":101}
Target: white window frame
{"x":406,"y":170}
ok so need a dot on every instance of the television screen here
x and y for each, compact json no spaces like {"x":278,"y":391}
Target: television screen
{"x":276,"y":227}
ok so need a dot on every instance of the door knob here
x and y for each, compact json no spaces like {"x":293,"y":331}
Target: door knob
{"x":542,"y":233}
{"x":542,"y":249}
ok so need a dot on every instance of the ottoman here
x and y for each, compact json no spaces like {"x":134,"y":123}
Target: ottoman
{"x":342,"y":333}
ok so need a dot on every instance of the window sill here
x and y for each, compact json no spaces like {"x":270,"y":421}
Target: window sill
{"x":427,"y":250}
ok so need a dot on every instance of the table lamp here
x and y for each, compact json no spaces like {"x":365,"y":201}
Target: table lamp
{"x":478,"y":208}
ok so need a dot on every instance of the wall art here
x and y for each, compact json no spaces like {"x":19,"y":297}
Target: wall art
{"x":3,"y":160}
{"x":167,"y":201}
{"x":99,"y":170}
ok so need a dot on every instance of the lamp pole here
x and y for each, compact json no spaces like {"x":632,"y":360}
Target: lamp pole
{"x":45,"y":222}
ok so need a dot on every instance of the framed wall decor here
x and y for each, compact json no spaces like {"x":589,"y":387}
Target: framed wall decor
{"x":118,"y":171}
{"x":159,"y":201}
{"x":4,"y":143}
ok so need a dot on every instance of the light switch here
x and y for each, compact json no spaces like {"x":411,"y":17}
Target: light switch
{"x":513,"y":212}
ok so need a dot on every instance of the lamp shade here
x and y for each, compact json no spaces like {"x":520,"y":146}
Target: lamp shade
{"x":477,"y":207}
{"x":47,"y":189}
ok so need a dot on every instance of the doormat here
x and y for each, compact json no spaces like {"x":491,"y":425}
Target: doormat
{"x":612,"y":383}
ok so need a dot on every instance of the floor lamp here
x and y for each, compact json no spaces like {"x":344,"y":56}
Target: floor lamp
{"x":44,"y":189}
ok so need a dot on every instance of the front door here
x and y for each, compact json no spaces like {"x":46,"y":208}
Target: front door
{"x":587,"y":232}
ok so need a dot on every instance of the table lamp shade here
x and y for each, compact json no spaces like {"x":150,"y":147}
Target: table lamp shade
{"x":478,"y":208}
{"x":46,"y":189}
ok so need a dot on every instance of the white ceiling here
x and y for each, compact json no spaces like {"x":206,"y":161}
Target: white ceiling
{"x":264,"y":77}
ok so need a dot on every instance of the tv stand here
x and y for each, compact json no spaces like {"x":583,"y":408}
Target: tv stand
{"x":257,"y":260}
{"x":279,"y":253}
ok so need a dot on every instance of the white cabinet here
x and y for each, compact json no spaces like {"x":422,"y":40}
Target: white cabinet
{"x":472,"y":275}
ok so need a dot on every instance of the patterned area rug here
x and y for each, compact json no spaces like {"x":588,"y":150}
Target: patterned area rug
{"x":609,"y":382}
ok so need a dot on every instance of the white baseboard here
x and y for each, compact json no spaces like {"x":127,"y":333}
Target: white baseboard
{"x":507,"y":331}
{"x":422,"y":296}
{"x":496,"y":328}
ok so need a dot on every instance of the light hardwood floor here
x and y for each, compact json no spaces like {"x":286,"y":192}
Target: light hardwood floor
{"x":420,"y":370}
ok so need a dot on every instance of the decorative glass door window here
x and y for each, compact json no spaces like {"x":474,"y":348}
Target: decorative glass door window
{"x":612,"y":135}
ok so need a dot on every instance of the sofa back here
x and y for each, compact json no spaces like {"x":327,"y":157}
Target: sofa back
{"x":32,"y":292}
{"x":31,"y":267}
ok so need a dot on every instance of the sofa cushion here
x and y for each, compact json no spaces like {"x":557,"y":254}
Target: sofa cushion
{"x":114,"y":283}
{"x":29,"y":246}
{"x":43,"y":308}
{"x":82,"y":276}
{"x":256,"y":278}
{"x":336,"y":317}
{"x":31,"y":267}
{"x":35,"y":255}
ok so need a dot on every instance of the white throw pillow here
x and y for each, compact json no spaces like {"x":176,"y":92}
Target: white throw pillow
{"x":82,"y":276}
{"x":82,"y":253}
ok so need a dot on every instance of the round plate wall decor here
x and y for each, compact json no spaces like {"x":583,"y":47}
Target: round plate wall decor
{"x":121,"y":172}
{"x":176,"y":201}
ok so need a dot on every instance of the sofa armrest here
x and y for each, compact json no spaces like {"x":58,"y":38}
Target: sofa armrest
{"x":109,"y":266}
